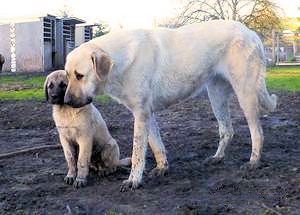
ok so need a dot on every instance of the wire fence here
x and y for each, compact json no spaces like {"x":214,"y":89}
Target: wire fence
{"x":283,"y":48}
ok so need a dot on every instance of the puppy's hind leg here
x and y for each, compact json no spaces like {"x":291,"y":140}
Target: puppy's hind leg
{"x":219,"y":92}
{"x":110,"y":157}
{"x":158,"y":149}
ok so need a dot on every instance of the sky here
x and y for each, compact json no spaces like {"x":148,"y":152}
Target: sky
{"x":129,"y":13}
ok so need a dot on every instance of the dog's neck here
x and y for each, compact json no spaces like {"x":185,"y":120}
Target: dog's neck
{"x":63,"y":115}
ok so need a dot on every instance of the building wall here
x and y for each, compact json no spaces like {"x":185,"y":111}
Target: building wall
{"x":29,"y":47}
{"x":39,"y":44}
{"x":83,"y":33}
{"x":59,"y":45}
{"x":5,"y":46}
{"x":79,"y":38}
{"x":49,"y":42}
{"x":47,"y":56}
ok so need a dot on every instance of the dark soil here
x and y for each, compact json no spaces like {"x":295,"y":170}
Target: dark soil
{"x":32,"y":183}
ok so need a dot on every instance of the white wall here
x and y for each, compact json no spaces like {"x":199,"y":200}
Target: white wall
{"x":29,"y":47}
{"x":5,"y":46}
{"x":79,"y":35}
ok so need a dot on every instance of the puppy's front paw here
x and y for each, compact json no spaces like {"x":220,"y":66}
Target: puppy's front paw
{"x":130,"y":185}
{"x":69,"y":180}
{"x":80,"y":182}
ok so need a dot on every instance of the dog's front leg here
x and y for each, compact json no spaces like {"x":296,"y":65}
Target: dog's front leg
{"x":140,"y":142}
{"x":158,"y":149}
{"x":70,"y":155}
{"x":84,"y":157}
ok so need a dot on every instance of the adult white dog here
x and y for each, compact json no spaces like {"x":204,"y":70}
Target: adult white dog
{"x":149,"y":69}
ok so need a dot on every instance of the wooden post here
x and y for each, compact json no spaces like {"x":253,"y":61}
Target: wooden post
{"x":277,"y":49}
{"x":273,"y":47}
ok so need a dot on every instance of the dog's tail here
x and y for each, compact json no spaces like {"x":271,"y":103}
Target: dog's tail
{"x":124,"y":162}
{"x":267,"y":102}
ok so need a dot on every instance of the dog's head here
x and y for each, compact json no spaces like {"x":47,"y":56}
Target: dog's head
{"x":87,"y":68}
{"x":55,"y":87}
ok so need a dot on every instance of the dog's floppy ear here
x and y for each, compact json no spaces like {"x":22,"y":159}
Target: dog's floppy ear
{"x":46,"y":89}
{"x":102,"y":64}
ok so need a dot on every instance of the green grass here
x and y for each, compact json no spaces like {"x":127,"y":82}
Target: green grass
{"x":283,"y":79}
{"x":33,"y":85}
{"x":36,"y":81}
{"x":23,"y":95}
{"x":278,"y":79}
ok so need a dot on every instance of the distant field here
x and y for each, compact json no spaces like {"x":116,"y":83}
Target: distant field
{"x":22,"y":87}
{"x":30,"y":87}
{"x":284,"y":79}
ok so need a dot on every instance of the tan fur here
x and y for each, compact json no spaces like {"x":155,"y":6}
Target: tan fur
{"x":82,"y":131}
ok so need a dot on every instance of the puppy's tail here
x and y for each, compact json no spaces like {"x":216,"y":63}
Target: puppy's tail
{"x":124,"y":162}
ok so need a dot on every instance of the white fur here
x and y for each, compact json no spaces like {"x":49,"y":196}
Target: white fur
{"x":151,"y":69}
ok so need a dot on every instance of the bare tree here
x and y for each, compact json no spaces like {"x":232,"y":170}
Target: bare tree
{"x":101,"y":29}
{"x":257,"y":14}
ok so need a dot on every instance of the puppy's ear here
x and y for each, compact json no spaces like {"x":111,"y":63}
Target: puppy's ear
{"x":102,"y":64}
{"x":46,"y":89}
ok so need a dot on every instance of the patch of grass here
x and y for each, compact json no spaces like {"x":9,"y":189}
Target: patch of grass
{"x":288,"y":70}
{"x":113,"y":212}
{"x":22,"y":87}
{"x":103,"y":99}
{"x":36,"y":81}
{"x":284,"y":79}
{"x":23,"y":95}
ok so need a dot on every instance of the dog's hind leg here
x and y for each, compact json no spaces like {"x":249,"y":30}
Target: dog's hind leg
{"x":249,"y":104}
{"x":246,"y":82}
{"x":158,"y":149}
{"x":219,"y":93}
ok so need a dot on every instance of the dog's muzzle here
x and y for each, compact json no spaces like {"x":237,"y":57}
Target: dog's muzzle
{"x":75,"y":103}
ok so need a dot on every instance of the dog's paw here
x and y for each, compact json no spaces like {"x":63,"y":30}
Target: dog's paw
{"x":250,"y":166}
{"x":130,"y":185}
{"x":158,"y":172}
{"x":211,"y":161}
{"x":69,"y":180}
{"x":79,"y":182}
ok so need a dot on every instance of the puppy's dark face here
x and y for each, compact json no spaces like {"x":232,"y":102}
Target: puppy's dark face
{"x":55,"y":87}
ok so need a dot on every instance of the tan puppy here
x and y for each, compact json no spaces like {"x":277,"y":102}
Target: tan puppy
{"x":82,"y":132}
{"x":150,"y":69}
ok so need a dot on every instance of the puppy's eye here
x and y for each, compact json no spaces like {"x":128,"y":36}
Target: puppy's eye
{"x":78,"y":76}
{"x":51,"y":85}
{"x":62,"y":85}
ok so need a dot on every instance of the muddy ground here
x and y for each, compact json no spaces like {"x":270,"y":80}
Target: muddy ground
{"x":32,"y":183}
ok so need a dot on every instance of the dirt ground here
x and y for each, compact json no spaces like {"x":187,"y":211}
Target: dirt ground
{"x":32,"y":183}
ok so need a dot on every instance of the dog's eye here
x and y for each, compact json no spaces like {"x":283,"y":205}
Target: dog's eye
{"x":78,"y":76}
{"x":51,"y":85}
{"x":62,"y":85}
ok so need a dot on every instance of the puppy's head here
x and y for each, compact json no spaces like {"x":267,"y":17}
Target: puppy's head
{"x":55,"y":87}
{"x":87,"y":68}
